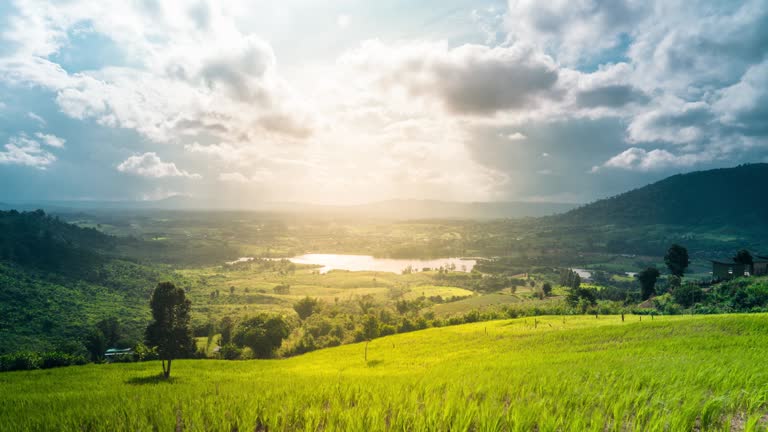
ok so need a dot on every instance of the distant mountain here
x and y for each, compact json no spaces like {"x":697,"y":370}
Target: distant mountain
{"x":390,"y":209}
{"x":432,"y":209}
{"x":726,"y":197}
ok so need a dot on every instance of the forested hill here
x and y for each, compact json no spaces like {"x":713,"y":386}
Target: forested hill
{"x":57,"y":280}
{"x":728,"y":196}
{"x":34,"y":239}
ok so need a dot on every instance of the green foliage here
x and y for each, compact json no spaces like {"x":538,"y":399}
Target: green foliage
{"x":306,"y":307}
{"x":647,"y":279}
{"x":262,"y":333}
{"x":27,"y":360}
{"x":169,"y":330}
{"x":145,"y":353}
{"x":677,"y":260}
{"x":230,"y":351}
{"x":688,"y":294}
{"x":684,"y":200}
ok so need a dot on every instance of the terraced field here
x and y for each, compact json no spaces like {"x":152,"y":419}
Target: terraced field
{"x":549,"y":374}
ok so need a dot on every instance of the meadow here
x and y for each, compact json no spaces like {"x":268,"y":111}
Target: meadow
{"x":576,"y":373}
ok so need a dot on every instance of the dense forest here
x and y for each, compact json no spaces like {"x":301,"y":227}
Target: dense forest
{"x":727,"y":196}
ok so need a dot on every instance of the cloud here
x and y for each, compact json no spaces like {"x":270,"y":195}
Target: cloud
{"x":469,"y":79}
{"x":575,"y":31}
{"x":613,"y":96}
{"x":51,"y":140}
{"x":676,"y":122}
{"x":637,"y":89}
{"x":21,"y":150}
{"x":261,"y":176}
{"x":744,"y":105}
{"x":180,"y":63}
{"x":150,"y":165}
{"x":639,"y":159}
{"x":36,"y":118}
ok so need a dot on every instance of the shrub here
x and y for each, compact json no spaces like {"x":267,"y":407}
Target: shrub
{"x":24,"y":360}
{"x":58,"y":359}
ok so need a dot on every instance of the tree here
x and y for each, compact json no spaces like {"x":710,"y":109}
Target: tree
{"x":547,"y":289}
{"x":105,"y":334}
{"x":169,"y":330}
{"x":677,"y":260}
{"x":263,"y":334}
{"x":743,"y":257}
{"x":306,"y":307}
{"x":225,"y":328}
{"x":688,"y":295}
{"x":647,"y":279}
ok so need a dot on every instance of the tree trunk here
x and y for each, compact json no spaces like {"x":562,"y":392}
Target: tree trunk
{"x":166,"y":370}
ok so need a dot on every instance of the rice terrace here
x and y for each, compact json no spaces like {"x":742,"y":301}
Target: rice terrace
{"x":433,"y":215}
{"x":564,"y":373}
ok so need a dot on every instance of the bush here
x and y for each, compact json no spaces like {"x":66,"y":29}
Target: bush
{"x":24,"y":360}
{"x":687,"y":295}
{"x":230,"y":351}
{"x":27,"y":360}
{"x":59,"y":359}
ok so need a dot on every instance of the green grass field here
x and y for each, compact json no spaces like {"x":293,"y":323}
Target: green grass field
{"x":678,"y":373}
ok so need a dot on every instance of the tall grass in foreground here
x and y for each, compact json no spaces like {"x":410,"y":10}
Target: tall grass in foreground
{"x":569,"y":374}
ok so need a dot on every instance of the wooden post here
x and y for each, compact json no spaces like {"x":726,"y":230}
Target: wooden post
{"x":622,"y":317}
{"x":651,"y":317}
{"x":641,"y":318}
{"x":366,"y":351}
{"x":535,"y":323}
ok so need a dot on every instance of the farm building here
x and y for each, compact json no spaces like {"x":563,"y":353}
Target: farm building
{"x":730,"y":269}
{"x":114,"y":354}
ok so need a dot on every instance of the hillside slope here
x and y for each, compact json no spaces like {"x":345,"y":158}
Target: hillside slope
{"x":728,"y":196}
{"x":566,"y":374}
{"x":57,"y":280}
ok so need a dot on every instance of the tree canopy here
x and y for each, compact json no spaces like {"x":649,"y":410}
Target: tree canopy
{"x":647,"y":279}
{"x":743,"y":257}
{"x":169,"y":330}
{"x":677,"y":260}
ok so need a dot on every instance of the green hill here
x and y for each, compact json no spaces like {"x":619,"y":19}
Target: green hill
{"x":729,"y":196}
{"x":701,"y":373}
{"x":57,"y":280}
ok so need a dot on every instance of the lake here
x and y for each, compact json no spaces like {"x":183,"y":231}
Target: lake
{"x":330,"y":262}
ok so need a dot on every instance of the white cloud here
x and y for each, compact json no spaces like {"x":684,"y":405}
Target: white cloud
{"x":516,"y":136}
{"x":261,"y":176}
{"x":641,"y":160}
{"x":574,"y":30}
{"x":150,"y":165}
{"x":671,"y":79}
{"x":36,"y":118}
{"x":51,"y":140}
{"x":21,"y":150}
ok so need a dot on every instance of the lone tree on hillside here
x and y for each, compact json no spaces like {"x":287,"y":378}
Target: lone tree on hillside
{"x":743,"y":257}
{"x":647,"y":280}
{"x":677,"y":260}
{"x":169,"y":330}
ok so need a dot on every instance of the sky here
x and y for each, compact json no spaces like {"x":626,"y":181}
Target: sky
{"x":343,"y":101}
